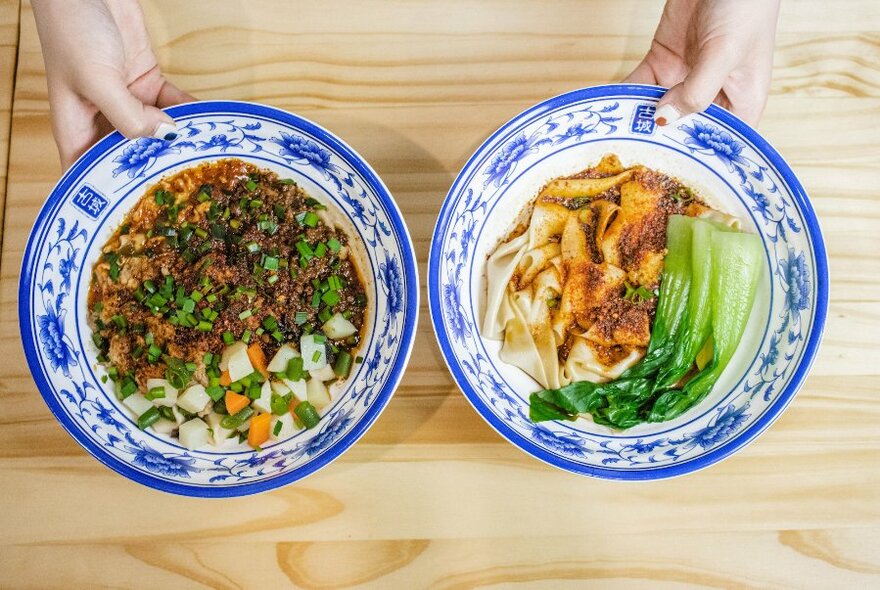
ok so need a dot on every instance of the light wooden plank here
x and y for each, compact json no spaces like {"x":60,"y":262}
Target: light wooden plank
{"x":588,"y":560}
{"x":9,"y":11}
{"x":432,"y":496}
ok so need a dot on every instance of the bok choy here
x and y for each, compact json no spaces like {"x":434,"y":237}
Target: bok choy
{"x":706,"y":295}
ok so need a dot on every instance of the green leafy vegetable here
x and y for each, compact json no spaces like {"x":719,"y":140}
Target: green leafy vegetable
{"x":736,"y":262}
{"x":706,"y":294}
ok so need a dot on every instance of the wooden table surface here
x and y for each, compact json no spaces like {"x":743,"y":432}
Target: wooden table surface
{"x":431,"y":496}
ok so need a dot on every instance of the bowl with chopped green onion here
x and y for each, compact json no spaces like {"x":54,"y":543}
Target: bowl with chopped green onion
{"x":222,"y":311}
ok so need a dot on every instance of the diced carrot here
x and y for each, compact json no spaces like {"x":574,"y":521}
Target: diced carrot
{"x":236,"y":402}
{"x":258,"y":433}
{"x":258,"y":359}
{"x":225,"y":379}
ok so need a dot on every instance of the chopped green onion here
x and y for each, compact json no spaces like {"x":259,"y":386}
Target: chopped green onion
{"x":128,"y":387}
{"x":155,"y":393}
{"x":305,"y":250}
{"x":301,"y":318}
{"x":320,"y":250}
{"x":334,"y":245}
{"x":331,"y":298}
{"x":233,"y":422}
{"x":310,"y":219}
{"x":278,"y":426}
{"x":215,"y":392}
{"x":343,"y":364}
{"x":148,"y":418}
{"x":228,"y":338}
{"x":279,"y":405}
{"x":245,"y":314}
{"x":307,"y":414}
{"x":294,"y":370}
{"x":251,"y":185}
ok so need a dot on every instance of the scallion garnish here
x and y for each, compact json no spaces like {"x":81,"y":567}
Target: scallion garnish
{"x":148,"y":418}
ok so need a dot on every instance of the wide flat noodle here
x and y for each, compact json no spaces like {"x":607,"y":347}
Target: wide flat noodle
{"x":557,"y":292}
{"x":582,"y":364}
{"x":499,"y":270}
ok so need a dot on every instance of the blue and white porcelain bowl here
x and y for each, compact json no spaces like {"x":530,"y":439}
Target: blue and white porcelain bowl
{"x":88,"y":204}
{"x":729,"y":164}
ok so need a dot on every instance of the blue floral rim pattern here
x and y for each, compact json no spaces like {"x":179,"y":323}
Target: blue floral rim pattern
{"x":498,"y":156}
{"x":397,"y":277}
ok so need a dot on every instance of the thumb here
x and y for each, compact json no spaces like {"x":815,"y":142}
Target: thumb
{"x":699,"y":88}
{"x":128,"y":114}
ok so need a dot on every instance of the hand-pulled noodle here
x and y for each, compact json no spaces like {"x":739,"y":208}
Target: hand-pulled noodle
{"x":567,"y":294}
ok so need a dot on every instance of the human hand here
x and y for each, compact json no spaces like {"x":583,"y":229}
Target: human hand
{"x":101,"y":73}
{"x":708,"y":51}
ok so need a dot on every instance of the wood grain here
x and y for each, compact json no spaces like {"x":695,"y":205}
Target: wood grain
{"x":432,"y":497}
{"x":9,"y":10}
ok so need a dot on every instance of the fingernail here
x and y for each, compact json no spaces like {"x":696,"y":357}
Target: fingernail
{"x":166,"y":131}
{"x":666,"y":115}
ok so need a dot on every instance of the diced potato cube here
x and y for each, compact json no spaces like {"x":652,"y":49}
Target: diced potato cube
{"x":194,"y":434}
{"x":325,"y":373}
{"x":288,"y":426}
{"x":338,"y":327}
{"x":279,"y":362}
{"x":164,"y":426}
{"x":137,"y":403}
{"x":194,"y":399}
{"x":264,"y":402}
{"x":279,"y":388}
{"x":237,"y":361}
{"x":220,"y":434}
{"x":298,"y":388}
{"x":170,"y":392}
{"x":314,"y":351}
{"x":318,"y":394}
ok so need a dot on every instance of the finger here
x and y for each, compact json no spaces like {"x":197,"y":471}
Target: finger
{"x":696,"y":92}
{"x":126,"y":112}
{"x":73,"y":125}
{"x":170,"y":95}
{"x":643,"y":74}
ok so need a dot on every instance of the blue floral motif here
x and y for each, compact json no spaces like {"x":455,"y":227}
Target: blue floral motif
{"x":455,"y":312}
{"x":592,"y":119}
{"x":558,"y":442}
{"x":106,"y":415}
{"x":710,"y":138}
{"x":505,"y":160}
{"x":796,"y":278}
{"x":66,"y":266}
{"x":771,"y":356}
{"x":302,"y":149}
{"x":392,"y":284}
{"x":179,"y":466}
{"x":140,"y":155}
{"x":54,"y":342}
{"x":728,"y":421}
{"x":217,"y":141}
{"x":329,"y":433}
